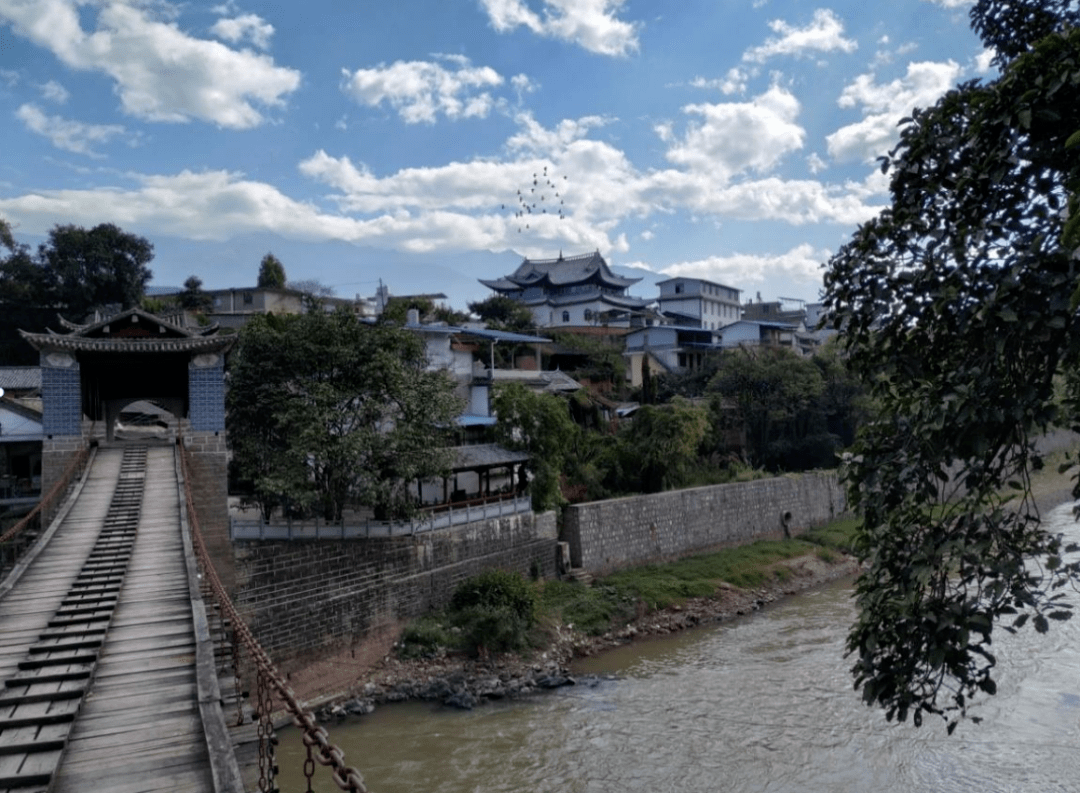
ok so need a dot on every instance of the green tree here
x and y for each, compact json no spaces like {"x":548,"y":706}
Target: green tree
{"x":504,"y":313}
{"x":539,"y":424}
{"x":23,"y":281}
{"x":958,"y":306}
{"x":663,"y":443}
{"x":87,"y":269}
{"x":271,"y":273}
{"x":326,"y":411}
{"x":193,"y":298}
{"x":603,"y":357}
{"x":25,"y":300}
{"x":777,"y":396}
{"x":397,"y":309}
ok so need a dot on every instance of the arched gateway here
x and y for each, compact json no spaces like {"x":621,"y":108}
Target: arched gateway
{"x":90,"y":374}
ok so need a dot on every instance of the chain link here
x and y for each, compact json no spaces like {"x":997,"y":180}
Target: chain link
{"x":345,"y":777}
{"x":309,"y":768}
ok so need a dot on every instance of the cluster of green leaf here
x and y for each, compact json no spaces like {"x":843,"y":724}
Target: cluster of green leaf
{"x":325,"y":411}
{"x":426,"y":637}
{"x":494,"y":611}
{"x":785,"y":406}
{"x":504,"y":313}
{"x":75,"y":270}
{"x":271,"y":273}
{"x":958,"y":306}
{"x":604,"y":356}
{"x":793,"y":413}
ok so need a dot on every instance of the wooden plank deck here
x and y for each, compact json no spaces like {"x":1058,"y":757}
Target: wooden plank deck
{"x":25,"y":611}
{"x":107,"y":671}
{"x":140,"y":728}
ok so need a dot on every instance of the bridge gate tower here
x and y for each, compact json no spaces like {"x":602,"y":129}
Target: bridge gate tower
{"x":92,"y":372}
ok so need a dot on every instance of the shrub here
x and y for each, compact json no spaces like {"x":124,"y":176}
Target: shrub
{"x":494,"y":610}
{"x":423,"y":638}
{"x":497,"y":589}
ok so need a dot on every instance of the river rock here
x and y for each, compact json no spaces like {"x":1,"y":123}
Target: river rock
{"x":554,"y":681}
{"x":461,"y":700}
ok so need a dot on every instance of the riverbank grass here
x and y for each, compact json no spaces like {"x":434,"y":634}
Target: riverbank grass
{"x":616,"y":599}
{"x":613,"y":601}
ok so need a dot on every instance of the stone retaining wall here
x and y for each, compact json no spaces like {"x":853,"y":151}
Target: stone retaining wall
{"x":300,"y":596}
{"x":605,"y":536}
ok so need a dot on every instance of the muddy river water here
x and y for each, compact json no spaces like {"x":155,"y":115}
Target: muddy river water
{"x":764,"y":703}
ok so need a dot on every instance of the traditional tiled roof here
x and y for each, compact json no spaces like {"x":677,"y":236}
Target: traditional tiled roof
{"x":561,"y":272}
{"x":131,"y":331}
{"x":618,"y":301}
{"x":485,"y":455}
{"x":46,"y":341}
{"x":20,"y":378}
{"x":489,"y":334}
{"x":548,"y":380}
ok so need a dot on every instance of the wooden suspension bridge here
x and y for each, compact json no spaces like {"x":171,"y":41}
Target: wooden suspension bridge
{"x":109,"y":681}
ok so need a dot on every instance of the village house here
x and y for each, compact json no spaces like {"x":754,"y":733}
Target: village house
{"x":482,"y":469}
{"x":697,"y":302}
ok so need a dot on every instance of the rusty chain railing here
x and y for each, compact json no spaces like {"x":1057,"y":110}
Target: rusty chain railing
{"x":268,"y":680}
{"x":14,"y":541}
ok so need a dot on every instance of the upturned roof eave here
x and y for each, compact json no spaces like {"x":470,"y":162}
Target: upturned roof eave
{"x":44,"y":342}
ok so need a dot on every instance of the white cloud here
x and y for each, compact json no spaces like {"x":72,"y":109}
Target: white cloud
{"x":421,"y":90}
{"x":533,"y":137}
{"x":457,"y":206}
{"x":591,"y":24}
{"x":824,"y":34}
{"x":522,"y":85}
{"x":601,"y":187}
{"x":815,"y":163}
{"x":250,"y":27}
{"x":801,"y":266}
{"x":793,"y":201}
{"x":212,"y":205}
{"x":984,"y":61}
{"x":734,"y":137}
{"x":55,"y":92}
{"x":884,"y":105}
{"x":66,"y":134}
{"x":161,"y":72}
{"x":734,"y":82}
{"x":951,"y":3}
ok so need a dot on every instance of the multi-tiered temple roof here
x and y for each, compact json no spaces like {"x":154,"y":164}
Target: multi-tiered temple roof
{"x":567,"y":281}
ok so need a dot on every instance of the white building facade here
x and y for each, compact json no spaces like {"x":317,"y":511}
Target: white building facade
{"x":698,"y":302}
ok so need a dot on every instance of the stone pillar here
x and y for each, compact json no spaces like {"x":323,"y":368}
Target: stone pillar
{"x":61,"y":423}
{"x":208,"y":468}
{"x":208,"y":457}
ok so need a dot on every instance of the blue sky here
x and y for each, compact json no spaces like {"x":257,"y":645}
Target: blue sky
{"x":731,"y":140}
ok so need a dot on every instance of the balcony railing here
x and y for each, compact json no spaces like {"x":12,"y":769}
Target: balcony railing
{"x":441,"y":517}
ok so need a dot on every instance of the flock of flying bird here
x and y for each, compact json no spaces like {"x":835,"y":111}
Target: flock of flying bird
{"x":530,"y":203}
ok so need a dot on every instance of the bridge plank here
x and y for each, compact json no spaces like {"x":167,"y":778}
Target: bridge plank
{"x":140,"y":729}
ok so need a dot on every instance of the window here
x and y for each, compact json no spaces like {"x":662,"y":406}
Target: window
{"x":588,"y":314}
{"x":679,"y":289}
{"x":566,"y":316}
{"x":247,"y":298}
